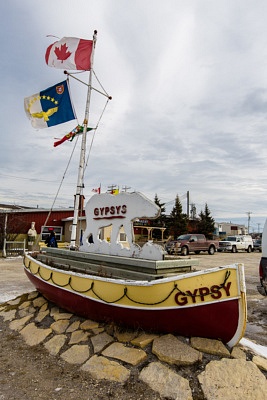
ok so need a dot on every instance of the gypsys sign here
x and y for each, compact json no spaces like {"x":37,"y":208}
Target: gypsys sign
{"x":118,"y":211}
{"x":110,"y":212}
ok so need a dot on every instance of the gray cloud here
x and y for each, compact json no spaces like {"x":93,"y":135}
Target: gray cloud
{"x":188,"y":81}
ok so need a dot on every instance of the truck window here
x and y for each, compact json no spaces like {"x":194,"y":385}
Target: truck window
{"x":231,"y":238}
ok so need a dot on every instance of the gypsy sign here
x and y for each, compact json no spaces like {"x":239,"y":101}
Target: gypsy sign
{"x":199,"y":295}
{"x":105,"y":210}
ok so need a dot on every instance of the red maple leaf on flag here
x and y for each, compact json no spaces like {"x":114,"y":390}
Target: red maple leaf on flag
{"x":62,"y":53}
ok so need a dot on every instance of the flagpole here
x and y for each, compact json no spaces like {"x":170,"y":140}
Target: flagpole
{"x":80,"y":183}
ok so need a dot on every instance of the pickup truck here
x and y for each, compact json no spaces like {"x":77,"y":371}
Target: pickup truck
{"x":236,"y":243}
{"x":196,"y":243}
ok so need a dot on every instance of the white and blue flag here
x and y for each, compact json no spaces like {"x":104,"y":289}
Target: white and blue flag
{"x":50,"y":107}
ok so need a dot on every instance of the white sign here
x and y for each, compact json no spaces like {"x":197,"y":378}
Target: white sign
{"x":117,"y":211}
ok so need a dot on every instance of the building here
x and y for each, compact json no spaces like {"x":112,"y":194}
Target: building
{"x":223,"y":229}
{"x":15,"y":223}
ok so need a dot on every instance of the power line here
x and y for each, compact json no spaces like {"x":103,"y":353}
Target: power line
{"x":182,"y":197}
{"x":31,"y":179}
{"x":26,"y":179}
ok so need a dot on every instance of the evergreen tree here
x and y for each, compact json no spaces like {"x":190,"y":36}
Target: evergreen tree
{"x":193,"y":212}
{"x":206,"y":224}
{"x":178,"y":220}
{"x":161,"y":220}
{"x":162,"y":207}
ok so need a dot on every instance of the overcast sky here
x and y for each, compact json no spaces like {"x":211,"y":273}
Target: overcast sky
{"x":188,"y":80}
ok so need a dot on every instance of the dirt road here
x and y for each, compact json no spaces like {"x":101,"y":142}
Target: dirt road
{"x":257,"y":304}
{"x":13,"y":280}
{"x":28,"y":373}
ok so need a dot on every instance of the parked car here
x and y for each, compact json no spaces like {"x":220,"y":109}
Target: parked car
{"x":188,"y":243}
{"x":257,"y":245}
{"x":170,"y":246}
{"x":236,"y":243}
{"x":263,"y":262}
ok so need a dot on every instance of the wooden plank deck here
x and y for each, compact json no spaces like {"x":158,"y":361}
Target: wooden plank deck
{"x":113,"y":266}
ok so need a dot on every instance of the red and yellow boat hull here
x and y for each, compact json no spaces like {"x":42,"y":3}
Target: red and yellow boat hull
{"x":209,"y":303}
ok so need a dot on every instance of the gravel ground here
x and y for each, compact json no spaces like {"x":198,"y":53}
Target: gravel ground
{"x":257,"y":303}
{"x":31,"y":373}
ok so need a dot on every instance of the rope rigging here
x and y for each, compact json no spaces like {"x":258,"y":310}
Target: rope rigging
{"x":74,"y":147}
{"x":125,"y":294}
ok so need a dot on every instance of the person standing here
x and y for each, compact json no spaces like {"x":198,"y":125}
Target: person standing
{"x":51,"y":240}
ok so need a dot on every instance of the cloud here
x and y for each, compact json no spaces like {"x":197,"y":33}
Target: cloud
{"x":188,"y":87}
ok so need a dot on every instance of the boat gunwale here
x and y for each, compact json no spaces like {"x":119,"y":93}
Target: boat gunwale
{"x":235,"y":267}
{"x":146,"y":308}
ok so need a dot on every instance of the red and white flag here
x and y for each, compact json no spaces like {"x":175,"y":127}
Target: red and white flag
{"x":70,"y":53}
{"x":96,"y":190}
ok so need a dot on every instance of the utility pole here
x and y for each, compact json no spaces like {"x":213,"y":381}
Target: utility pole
{"x":248,"y":213}
{"x":187,"y":196}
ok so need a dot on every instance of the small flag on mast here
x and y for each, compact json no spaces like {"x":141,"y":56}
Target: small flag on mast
{"x":71,"y":135}
{"x":70,"y":53}
{"x":50,"y":107}
{"x":115,"y":191}
{"x":97,"y":190}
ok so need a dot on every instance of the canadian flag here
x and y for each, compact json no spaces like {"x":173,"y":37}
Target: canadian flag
{"x":70,"y":53}
{"x":96,"y":190}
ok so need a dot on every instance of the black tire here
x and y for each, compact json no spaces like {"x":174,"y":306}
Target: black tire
{"x":234,"y":249}
{"x":184,"y":251}
{"x":211,"y":250}
{"x":249,"y":249}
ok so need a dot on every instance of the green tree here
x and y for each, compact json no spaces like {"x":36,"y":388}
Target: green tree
{"x":162,"y":218}
{"x":178,"y":220}
{"x":193,"y":212}
{"x":206,"y":224}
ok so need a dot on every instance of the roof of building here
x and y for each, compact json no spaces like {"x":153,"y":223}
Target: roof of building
{"x":12,"y":207}
{"x":21,"y":209}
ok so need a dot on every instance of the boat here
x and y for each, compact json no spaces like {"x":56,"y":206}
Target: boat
{"x":136,"y":287}
{"x":210,"y":303}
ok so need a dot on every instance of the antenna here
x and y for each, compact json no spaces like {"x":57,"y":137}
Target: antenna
{"x":125,"y":188}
